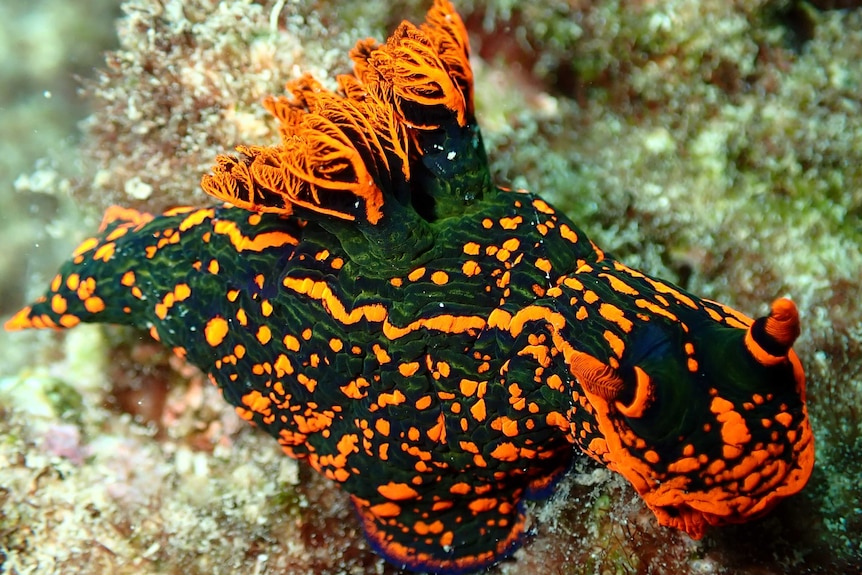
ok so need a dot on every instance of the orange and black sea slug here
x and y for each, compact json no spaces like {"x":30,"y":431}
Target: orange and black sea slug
{"x":439,"y":346}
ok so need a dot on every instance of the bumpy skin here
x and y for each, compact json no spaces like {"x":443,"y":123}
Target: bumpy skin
{"x":436,"y":345}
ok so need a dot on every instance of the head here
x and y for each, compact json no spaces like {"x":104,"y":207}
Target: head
{"x":701,"y":408}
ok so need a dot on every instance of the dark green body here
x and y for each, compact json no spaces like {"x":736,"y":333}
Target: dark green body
{"x":442,"y":396}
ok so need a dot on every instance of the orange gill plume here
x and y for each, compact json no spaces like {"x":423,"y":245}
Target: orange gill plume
{"x":343,"y":154}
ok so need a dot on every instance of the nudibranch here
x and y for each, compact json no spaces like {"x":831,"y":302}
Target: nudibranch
{"x":437,"y":345}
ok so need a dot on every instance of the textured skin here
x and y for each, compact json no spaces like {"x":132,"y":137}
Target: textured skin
{"x":444,"y":365}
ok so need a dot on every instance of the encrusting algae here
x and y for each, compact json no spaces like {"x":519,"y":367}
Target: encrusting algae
{"x":435,"y":344}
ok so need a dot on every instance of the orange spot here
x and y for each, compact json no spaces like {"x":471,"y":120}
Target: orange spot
{"x":94,"y":304}
{"x":394,"y":398}
{"x":291,"y":342}
{"x":65,"y":320}
{"x":264,"y":334}
{"x":512,"y":244}
{"x":216,"y":330}
{"x":478,"y":410}
{"x":258,"y":243}
{"x":266,"y":308}
{"x":468,"y":387}
{"x":397,"y":491}
{"x":182,"y":292}
{"x":460,"y":488}
{"x":387,"y":509}
{"x":382,"y":426}
{"x":58,"y":304}
{"x":85,"y":246}
{"x":423,"y":402}
{"x":542,"y":206}
{"x":483,"y":505}
{"x":73,"y":281}
{"x":511,"y":223}
{"x":784,"y":419}
{"x":470,"y":268}
{"x":380,"y":354}
{"x":616,"y":343}
{"x":472,"y":248}
{"x":408,"y":369}
{"x":568,"y":233}
{"x":439,"y":277}
{"x":612,"y":313}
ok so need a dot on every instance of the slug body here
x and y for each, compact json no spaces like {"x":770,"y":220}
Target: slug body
{"x":438,"y":346}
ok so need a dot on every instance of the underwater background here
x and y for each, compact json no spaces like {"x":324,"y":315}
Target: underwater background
{"x":716,"y":144}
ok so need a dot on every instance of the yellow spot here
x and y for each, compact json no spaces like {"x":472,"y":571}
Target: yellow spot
{"x":182,"y":292}
{"x":58,"y":304}
{"x":216,"y":330}
{"x":94,"y":304}
{"x":291,"y":343}
{"x":68,"y":320}
{"x":105,"y":252}
{"x":264,"y":334}
{"x":161,"y":310}
{"x":336,"y":344}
